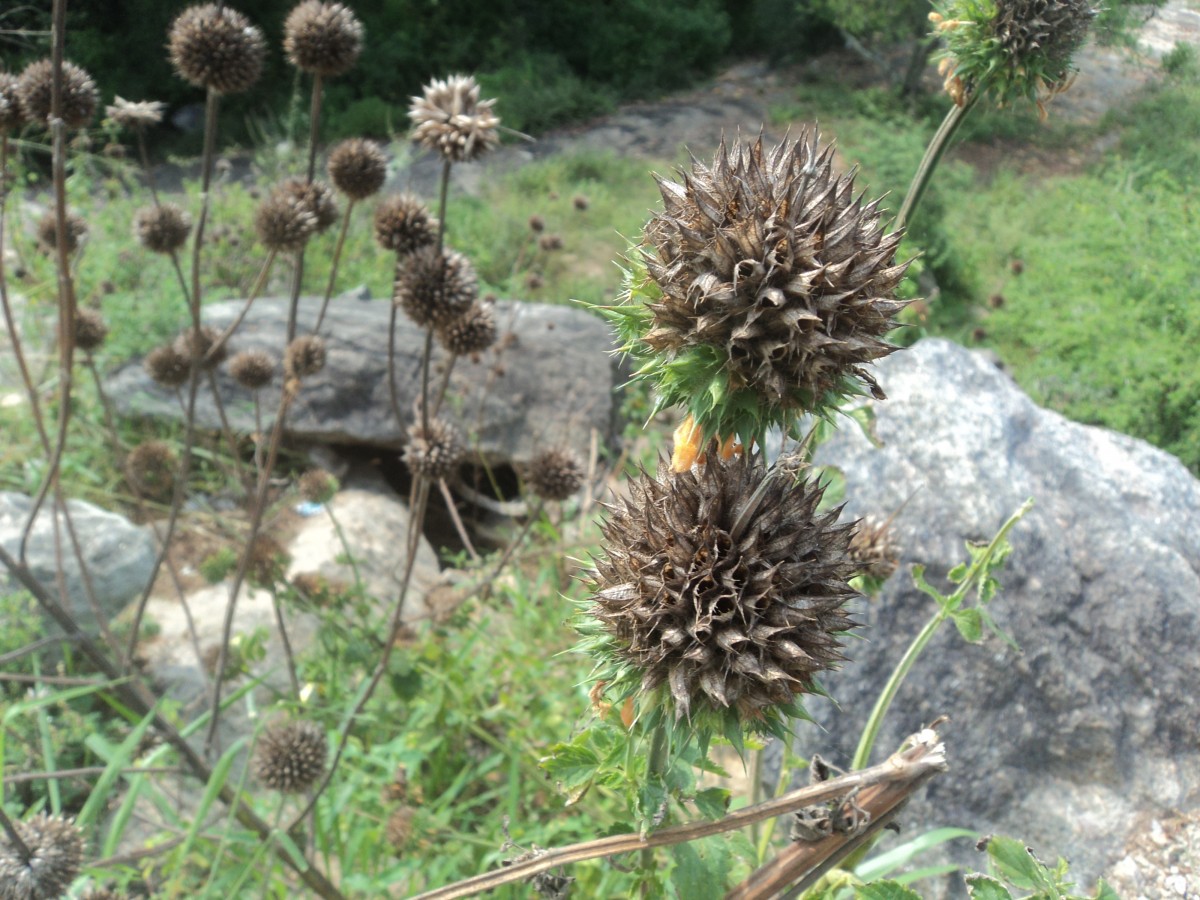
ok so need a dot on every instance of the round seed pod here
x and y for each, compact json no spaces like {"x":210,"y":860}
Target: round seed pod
{"x":357,"y":168}
{"x":471,"y":333}
{"x":268,"y":561}
{"x":90,"y":330}
{"x":12,"y":117}
{"x":167,"y":366}
{"x":35,"y":90}
{"x":56,"y":855}
{"x":134,"y":115}
{"x":872,"y":549}
{"x":322,"y":38}
{"x":555,"y":474}
{"x":216,"y":47}
{"x":537,"y":224}
{"x":47,"y":231}
{"x":450,"y":119}
{"x":162,"y":228}
{"x":304,"y":357}
{"x":283,"y":222}
{"x":434,"y":453}
{"x":435,"y":288}
{"x":199,"y":344}
{"x":252,"y":369}
{"x":150,"y":470}
{"x":548,"y":243}
{"x":403,"y":224}
{"x":317,"y":486}
{"x":580,"y":202}
{"x":314,"y":196}
{"x":291,"y":756}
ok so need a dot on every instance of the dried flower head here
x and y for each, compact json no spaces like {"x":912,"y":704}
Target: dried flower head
{"x":322,"y":38}
{"x":471,"y":333}
{"x":150,"y":469}
{"x":291,"y":756}
{"x":12,"y":117}
{"x":162,"y":228}
{"x":580,"y":202}
{"x":767,"y":288}
{"x":252,"y":369}
{"x":725,"y":585}
{"x":216,"y":47}
{"x":167,"y":366}
{"x":403,"y":224}
{"x":314,"y":196}
{"x":357,"y":168}
{"x":435,"y":288}
{"x":268,"y":561}
{"x":537,"y":224}
{"x":435,"y":452}
{"x":552,"y":885}
{"x":548,"y":243}
{"x":555,"y":474}
{"x":135,"y":115}
{"x":35,"y":90}
{"x":305,"y":356}
{"x":283,"y":222}
{"x":317,"y":486}
{"x":450,"y":119}
{"x":56,"y":855}
{"x":47,"y":231}
{"x":90,"y":330}
{"x":874,"y":553}
{"x":103,"y":893}
{"x":202,"y":345}
{"x":399,"y":829}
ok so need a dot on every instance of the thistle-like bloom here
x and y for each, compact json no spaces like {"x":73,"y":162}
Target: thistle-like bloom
{"x":167,"y":366}
{"x":135,"y":115}
{"x":435,"y":288}
{"x":252,"y":369}
{"x":768,"y":287}
{"x":403,"y":224}
{"x":357,"y":168}
{"x":35,"y":90}
{"x":435,"y":452}
{"x":471,"y":333}
{"x":216,"y":47}
{"x":450,"y":119}
{"x":322,"y":38}
{"x":162,"y":228}
{"x":725,"y":585}
{"x":555,"y":474}
{"x":12,"y":117}
{"x":56,"y":854}
{"x":150,"y":468}
{"x":291,"y":757}
{"x":90,"y":330}
{"x":305,"y":356}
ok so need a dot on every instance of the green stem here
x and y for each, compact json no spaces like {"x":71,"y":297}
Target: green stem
{"x":933,"y":155}
{"x":656,"y":767}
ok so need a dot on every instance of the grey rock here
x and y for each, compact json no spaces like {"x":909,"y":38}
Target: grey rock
{"x":118,"y":555}
{"x":1064,"y":744}
{"x":549,"y":380}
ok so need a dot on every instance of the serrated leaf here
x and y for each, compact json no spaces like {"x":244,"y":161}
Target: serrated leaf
{"x":701,"y":868}
{"x":1016,"y":865}
{"x":712,"y":803}
{"x":919,"y":582}
{"x":885,"y":890}
{"x":958,"y":573}
{"x":651,"y":799}
{"x":1104,"y":891}
{"x":865,"y":417}
{"x":985,"y":887}
{"x":573,"y":765}
{"x":970,"y":624}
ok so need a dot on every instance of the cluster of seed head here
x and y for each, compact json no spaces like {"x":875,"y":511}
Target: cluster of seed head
{"x":216,"y":47}
{"x":134,"y":115}
{"x":357,"y":168}
{"x":322,"y":38}
{"x":47,"y":231}
{"x":433,"y":452}
{"x":202,"y":345}
{"x":314,"y":196}
{"x":471,"y":333}
{"x":450,"y":119}
{"x":12,"y":117}
{"x":55,"y":848}
{"x":305,"y":356}
{"x":35,"y":92}
{"x":555,"y":474}
{"x":291,"y":756}
{"x":167,"y":366}
{"x":90,"y":330}
{"x":162,"y":228}
{"x":435,"y":288}
{"x":284,"y":221}
{"x":403,"y":224}
{"x":252,"y":369}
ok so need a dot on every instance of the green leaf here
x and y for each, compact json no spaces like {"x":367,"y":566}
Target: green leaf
{"x":1104,"y":891}
{"x":985,"y":887}
{"x":884,"y":863}
{"x":885,"y":890}
{"x":919,"y":582}
{"x":116,"y":760}
{"x":573,"y":765}
{"x":1016,"y":865}
{"x":700,"y":869}
{"x":712,"y":803}
{"x":970,"y":624}
{"x":865,"y":417}
{"x":958,"y":573}
{"x":212,"y":790}
{"x":651,"y":800}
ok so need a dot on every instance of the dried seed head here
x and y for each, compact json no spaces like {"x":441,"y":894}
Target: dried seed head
{"x":534,"y":281}
{"x":252,"y":369}
{"x":537,"y":224}
{"x":1050,"y":29}
{"x":284,"y":222}
{"x":450,"y":119}
{"x":12,"y":117}
{"x":552,"y":886}
{"x":268,"y":561}
{"x":102,"y":893}
{"x":548,"y":243}
{"x":167,"y":366}
{"x":35,"y":89}
{"x":150,"y":470}
{"x":56,"y":855}
{"x":304,"y":357}
{"x":314,"y":196}
{"x":357,"y":168}
{"x":471,"y":333}
{"x":216,"y":47}
{"x":135,"y":115}
{"x":580,"y":202}
{"x":90,"y":330}
{"x":555,"y":474}
{"x":434,"y":453}
{"x":403,"y":224}
{"x":162,"y":228}
{"x":317,"y":486}
{"x":873,"y":551}
{"x":291,"y":756}
{"x":202,"y":345}
{"x":399,"y":828}
{"x":47,"y":231}
{"x":322,"y":38}
{"x":435,"y":288}
{"x":725,"y":585}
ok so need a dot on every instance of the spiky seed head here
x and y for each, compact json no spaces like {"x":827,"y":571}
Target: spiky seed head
{"x":90,"y":330}
{"x":322,"y":38}
{"x":548,"y":243}
{"x":35,"y":89}
{"x":555,"y":474}
{"x":399,"y":829}
{"x":534,"y":281}
{"x":537,"y":224}
{"x":12,"y":117}
{"x":315,"y":196}
{"x":268,"y":561}
{"x":873,"y":551}
{"x":47,"y":231}
{"x":450,"y":119}
{"x":403,"y":224}
{"x":305,"y":356}
{"x":291,"y":756}
{"x":56,"y":855}
{"x":167,"y":366}
{"x":551,"y":885}
{"x":357,"y":168}
{"x":284,"y":222}
{"x":471,"y":333}
{"x":202,"y":346}
{"x":317,"y":486}
{"x":435,"y":288}
{"x":150,"y":469}
{"x":162,"y":228}
{"x":435,"y":452}
{"x":216,"y":47}
{"x":252,"y":369}
{"x":135,"y":115}
{"x":581,"y":202}
{"x":725,"y":585}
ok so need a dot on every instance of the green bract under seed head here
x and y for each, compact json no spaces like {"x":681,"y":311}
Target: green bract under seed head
{"x":357,"y":168}
{"x":35,"y":89}
{"x":322,"y":38}
{"x":56,"y":855}
{"x":216,"y":47}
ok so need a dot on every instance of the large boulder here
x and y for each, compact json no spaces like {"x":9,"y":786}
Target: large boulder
{"x":1095,"y":721}
{"x":548,"y":380}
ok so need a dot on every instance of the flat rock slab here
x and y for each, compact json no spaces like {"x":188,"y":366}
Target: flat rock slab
{"x":549,"y":380}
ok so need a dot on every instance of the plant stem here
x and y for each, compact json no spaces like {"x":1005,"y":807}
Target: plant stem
{"x":933,"y":155}
{"x":656,"y":767}
{"x":333,"y":268}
